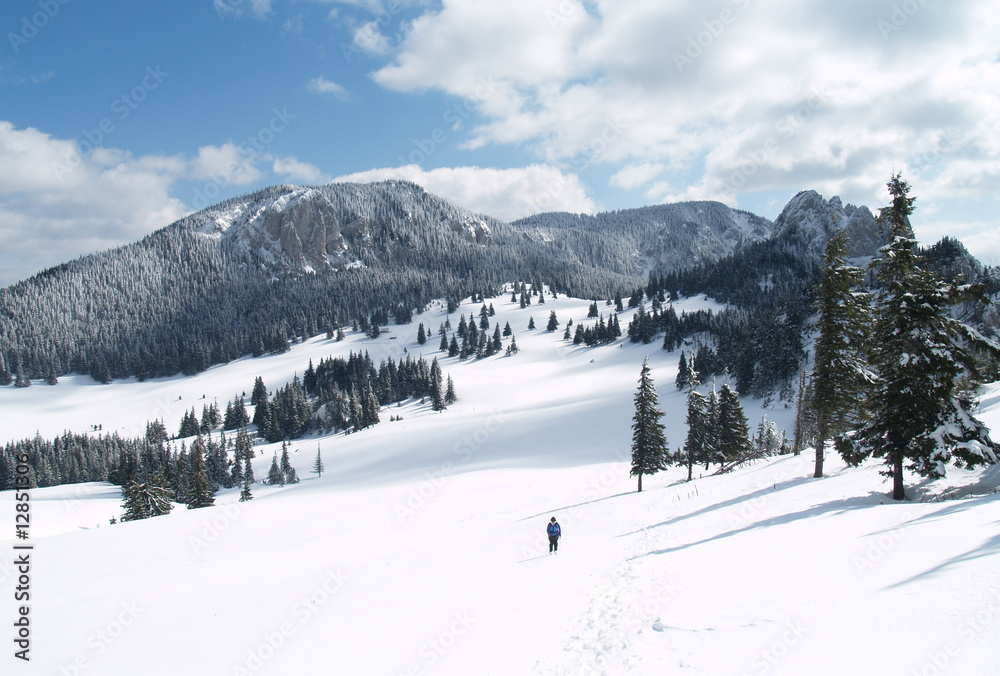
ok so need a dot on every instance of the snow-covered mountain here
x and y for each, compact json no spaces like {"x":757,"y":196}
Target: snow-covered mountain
{"x":812,"y":219}
{"x":421,"y":549}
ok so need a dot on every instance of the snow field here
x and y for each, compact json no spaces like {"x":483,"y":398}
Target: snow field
{"x":422,"y":549}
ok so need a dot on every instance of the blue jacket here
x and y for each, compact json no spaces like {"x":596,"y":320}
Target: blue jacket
{"x":554,"y":529}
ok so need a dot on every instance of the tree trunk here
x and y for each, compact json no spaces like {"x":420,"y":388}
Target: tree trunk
{"x":820,"y":446}
{"x":640,"y":483}
{"x":897,"y":477}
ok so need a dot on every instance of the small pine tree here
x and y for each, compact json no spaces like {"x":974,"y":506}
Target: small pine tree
{"x":512,"y":348}
{"x":421,"y":334}
{"x":318,"y":464}
{"x":553,"y":322}
{"x":649,"y":443}
{"x":531,"y":323}
{"x":449,"y":395}
{"x":287,"y":471}
{"x":275,"y":477}
{"x":733,"y":429}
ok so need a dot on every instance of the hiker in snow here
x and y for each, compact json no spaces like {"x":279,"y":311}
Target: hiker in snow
{"x":554,"y":532}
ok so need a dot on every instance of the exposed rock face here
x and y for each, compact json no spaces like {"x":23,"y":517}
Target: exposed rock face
{"x":810,"y":217}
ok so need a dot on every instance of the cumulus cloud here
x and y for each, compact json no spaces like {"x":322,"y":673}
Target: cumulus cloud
{"x":369,"y":39}
{"x":507,"y":194}
{"x":320,"y":85}
{"x":298,"y":171}
{"x":58,"y":201}
{"x":728,"y":96}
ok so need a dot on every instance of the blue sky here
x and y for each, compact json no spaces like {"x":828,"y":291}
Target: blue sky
{"x":117,"y":118}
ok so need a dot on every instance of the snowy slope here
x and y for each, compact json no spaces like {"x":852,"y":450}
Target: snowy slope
{"x":422,"y":549}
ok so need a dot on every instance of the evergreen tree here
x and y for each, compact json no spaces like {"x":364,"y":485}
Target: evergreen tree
{"x":840,"y":375}
{"x":713,"y":438}
{"x":919,"y":411}
{"x":318,"y":464}
{"x":512,"y":348}
{"x":289,"y":473}
{"x":733,"y":429}
{"x":443,"y":347}
{"x":145,"y":500}
{"x":189,"y":425}
{"x":649,"y":443}
{"x":275,"y":477}
{"x":201,"y":493}
{"x":421,"y":334}
{"x":507,"y":331}
{"x":449,"y":394}
{"x":553,"y":322}
{"x":437,"y":393}
{"x":531,"y":323}
{"x":696,"y":444}
{"x":682,"y":372}
{"x":246,"y":494}
{"x":453,"y":349}
{"x":592,"y":311}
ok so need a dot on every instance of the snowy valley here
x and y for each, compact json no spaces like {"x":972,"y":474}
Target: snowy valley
{"x":421,"y":548}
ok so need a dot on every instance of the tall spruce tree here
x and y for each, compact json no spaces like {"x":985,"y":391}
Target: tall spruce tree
{"x":696,"y":444}
{"x":649,"y":443}
{"x":919,"y":412}
{"x":733,"y":429}
{"x":291,"y":476}
{"x":840,"y":376}
{"x":318,"y":466}
{"x":201,"y":493}
{"x":275,"y":477}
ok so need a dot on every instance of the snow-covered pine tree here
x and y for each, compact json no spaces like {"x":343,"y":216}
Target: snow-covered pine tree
{"x":289,"y":473}
{"x":649,"y":443}
{"x":449,"y":395}
{"x":201,"y":493}
{"x":733,"y":429}
{"x":531,"y":323}
{"x":553,"y":321}
{"x":696,"y":444}
{"x":919,"y":411}
{"x":421,"y":334}
{"x":145,"y":500}
{"x":682,"y":372}
{"x":275,"y":477}
{"x":437,"y":387}
{"x":840,"y":377}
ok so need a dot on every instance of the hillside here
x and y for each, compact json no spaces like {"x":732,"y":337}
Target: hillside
{"x":421,"y":550}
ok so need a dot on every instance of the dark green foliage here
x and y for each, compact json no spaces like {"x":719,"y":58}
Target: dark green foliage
{"x":201,"y":493}
{"x":553,"y":322}
{"x":421,"y":334}
{"x":189,"y":425}
{"x":287,"y":471}
{"x":732,"y":429}
{"x":649,"y":443}
{"x":275,"y":477}
{"x":145,"y":500}
{"x":531,"y":323}
{"x":919,"y":411}
{"x":318,"y":466}
{"x":840,"y":377}
{"x":236,"y":415}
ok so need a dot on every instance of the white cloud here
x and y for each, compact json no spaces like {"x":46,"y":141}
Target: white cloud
{"x":730,"y":97}
{"x":635,"y":175}
{"x":237,"y":8}
{"x":320,"y":85}
{"x":508,"y":194}
{"x":226,"y":164}
{"x":369,"y":39}
{"x":56,"y":204}
{"x":298,"y":171}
